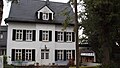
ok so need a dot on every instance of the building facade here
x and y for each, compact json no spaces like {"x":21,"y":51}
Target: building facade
{"x":3,"y":40}
{"x":36,"y":35}
{"x":86,"y":53}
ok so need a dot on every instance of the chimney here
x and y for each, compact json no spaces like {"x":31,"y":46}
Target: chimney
{"x":47,"y":2}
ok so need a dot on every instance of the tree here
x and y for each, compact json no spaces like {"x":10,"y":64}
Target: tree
{"x":101,"y":23}
{"x":1,"y":10}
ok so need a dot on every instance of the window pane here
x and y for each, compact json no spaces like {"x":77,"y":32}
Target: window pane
{"x":47,"y":55}
{"x":42,"y":55}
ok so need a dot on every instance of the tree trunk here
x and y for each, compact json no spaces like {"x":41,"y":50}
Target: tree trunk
{"x":76,"y":33}
{"x":105,"y":45}
{"x":1,"y":10}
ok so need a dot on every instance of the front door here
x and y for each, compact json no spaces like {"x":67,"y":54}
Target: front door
{"x":45,"y":56}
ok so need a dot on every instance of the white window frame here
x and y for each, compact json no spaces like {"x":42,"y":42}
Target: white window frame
{"x":29,"y":35}
{"x":18,"y":54}
{"x":28,"y":55}
{"x":19,"y":35}
{"x":45,"y":16}
{"x":45,"y":35}
{"x":60,"y":54}
{"x":44,"y":54}
{"x":68,"y":54}
{"x":60,"y":36}
{"x":68,"y":36}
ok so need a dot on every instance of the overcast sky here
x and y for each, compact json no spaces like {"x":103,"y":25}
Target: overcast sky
{"x":7,"y":8}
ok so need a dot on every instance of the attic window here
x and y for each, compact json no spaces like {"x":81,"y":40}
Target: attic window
{"x":45,"y":16}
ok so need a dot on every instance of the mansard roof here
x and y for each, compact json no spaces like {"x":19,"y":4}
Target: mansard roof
{"x":25,"y":11}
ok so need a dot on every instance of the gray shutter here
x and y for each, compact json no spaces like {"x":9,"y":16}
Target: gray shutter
{"x":56,"y":36}
{"x":34,"y":35}
{"x":73,"y":54}
{"x":24,"y":35}
{"x":50,"y":35}
{"x":14,"y":34}
{"x":55,"y":55}
{"x":50,"y":16}
{"x":33,"y":55}
{"x":23,"y":54}
{"x":64,"y":55}
{"x":64,"y":36}
{"x":73,"y":37}
{"x":13,"y":55}
{"x":41,"y":14}
{"x":40,"y":35}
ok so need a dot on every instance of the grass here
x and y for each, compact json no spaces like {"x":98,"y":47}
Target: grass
{"x":86,"y":67}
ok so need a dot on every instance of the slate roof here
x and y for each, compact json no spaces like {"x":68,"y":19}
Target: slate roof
{"x":25,"y":11}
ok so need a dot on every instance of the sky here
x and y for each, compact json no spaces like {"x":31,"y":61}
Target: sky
{"x":7,"y":8}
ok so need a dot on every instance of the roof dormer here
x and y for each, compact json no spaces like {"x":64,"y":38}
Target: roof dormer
{"x":45,"y":14}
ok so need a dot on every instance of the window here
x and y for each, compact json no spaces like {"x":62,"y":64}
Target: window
{"x":19,"y":35}
{"x":45,"y":16}
{"x":69,"y":54}
{"x":24,"y":35}
{"x":29,"y":35}
{"x":28,"y":54}
{"x":45,"y":54}
{"x":68,"y":36}
{"x":23,"y":54}
{"x":64,"y":55}
{"x":18,"y":54}
{"x":64,"y":36}
{"x":60,"y":36}
{"x":60,"y":55}
{"x":45,"y":36}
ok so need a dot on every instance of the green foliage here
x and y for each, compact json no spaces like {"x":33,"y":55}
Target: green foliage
{"x":101,"y":24}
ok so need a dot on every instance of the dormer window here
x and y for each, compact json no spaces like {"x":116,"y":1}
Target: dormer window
{"x":45,"y":14}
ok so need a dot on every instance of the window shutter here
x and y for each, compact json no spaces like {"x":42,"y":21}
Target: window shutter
{"x":55,"y":55}
{"x":73,"y":37}
{"x":36,"y":14}
{"x":64,"y":36}
{"x":64,"y":55}
{"x":14,"y":34}
{"x":50,"y":16}
{"x":24,"y":35}
{"x":33,"y":55}
{"x":73,"y":54}
{"x":41,"y":15}
{"x":40,"y":35}
{"x":34,"y":35}
{"x":56,"y":36}
{"x":13,"y":55}
{"x":50,"y":35}
{"x":23,"y":54}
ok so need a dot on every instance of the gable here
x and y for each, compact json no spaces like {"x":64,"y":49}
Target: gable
{"x":45,"y":9}
{"x":45,"y":14}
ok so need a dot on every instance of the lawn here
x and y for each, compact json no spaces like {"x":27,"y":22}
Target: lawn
{"x":86,"y":67}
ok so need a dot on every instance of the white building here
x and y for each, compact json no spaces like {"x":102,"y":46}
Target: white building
{"x":35,"y":33}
